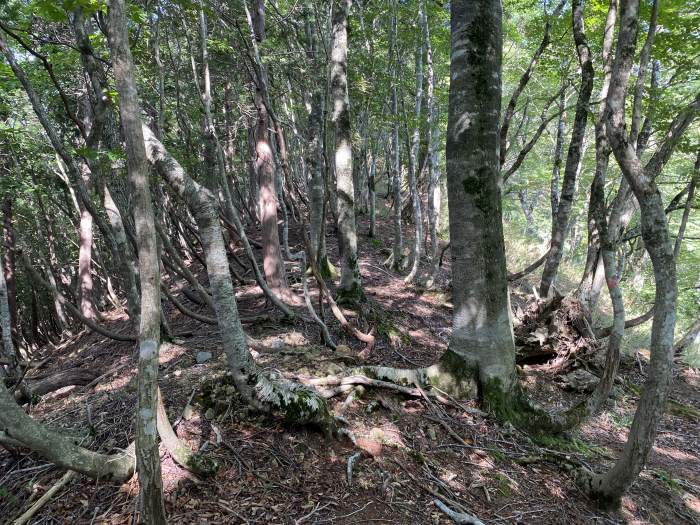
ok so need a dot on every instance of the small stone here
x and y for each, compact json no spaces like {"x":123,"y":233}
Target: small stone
{"x":203,"y":357}
{"x":188,"y":413}
{"x":209,"y":414}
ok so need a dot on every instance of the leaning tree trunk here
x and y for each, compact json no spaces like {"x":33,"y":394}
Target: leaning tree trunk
{"x":17,"y":428}
{"x":350,"y":280}
{"x":147,"y":455}
{"x":573,"y":158}
{"x":262,"y":390}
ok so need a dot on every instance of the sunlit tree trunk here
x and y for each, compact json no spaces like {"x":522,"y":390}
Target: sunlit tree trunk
{"x":350,"y":280}
{"x":434,"y":197}
{"x":147,"y":455}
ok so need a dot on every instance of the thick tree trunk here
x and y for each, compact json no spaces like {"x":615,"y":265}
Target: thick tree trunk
{"x":350,"y":289}
{"x":147,"y":455}
{"x":482,"y":334}
{"x":574,"y":156}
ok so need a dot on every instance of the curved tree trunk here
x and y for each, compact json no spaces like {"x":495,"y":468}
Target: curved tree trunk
{"x":609,"y":487}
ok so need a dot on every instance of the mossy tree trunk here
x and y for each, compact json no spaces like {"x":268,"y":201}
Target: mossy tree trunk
{"x":482,"y":333}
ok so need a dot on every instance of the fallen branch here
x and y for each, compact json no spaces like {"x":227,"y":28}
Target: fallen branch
{"x":24,"y":518}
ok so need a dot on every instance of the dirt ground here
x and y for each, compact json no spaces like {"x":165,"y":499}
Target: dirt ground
{"x":411,"y":451}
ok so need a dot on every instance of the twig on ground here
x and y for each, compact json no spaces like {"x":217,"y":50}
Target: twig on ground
{"x":458,"y":517}
{"x":24,"y":518}
{"x":317,"y":508}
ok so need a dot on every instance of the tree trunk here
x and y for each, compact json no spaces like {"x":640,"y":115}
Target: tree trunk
{"x":594,"y":271}
{"x":574,"y":155}
{"x":482,"y":334}
{"x":9,"y":263}
{"x":8,"y":347}
{"x":397,"y":254}
{"x":372,"y":195}
{"x":434,"y":197}
{"x":609,"y":487}
{"x":147,"y":455}
{"x":85,"y":265}
{"x":558,"y":151}
{"x":413,"y":172}
{"x":350,"y":289}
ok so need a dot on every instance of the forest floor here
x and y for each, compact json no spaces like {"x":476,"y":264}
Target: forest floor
{"x":272,"y":473}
